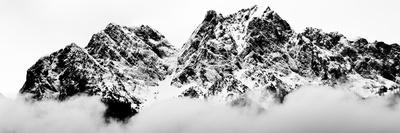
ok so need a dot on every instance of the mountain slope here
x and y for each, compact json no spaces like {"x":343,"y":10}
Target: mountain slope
{"x":118,"y":64}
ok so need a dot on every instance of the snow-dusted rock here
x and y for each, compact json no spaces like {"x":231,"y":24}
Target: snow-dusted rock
{"x":118,"y":64}
{"x":256,"y":55}
{"x":224,"y":50}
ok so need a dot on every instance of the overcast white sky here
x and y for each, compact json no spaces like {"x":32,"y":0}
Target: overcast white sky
{"x":30,"y":29}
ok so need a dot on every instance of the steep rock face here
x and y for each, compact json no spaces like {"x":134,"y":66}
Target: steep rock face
{"x":221,"y":47}
{"x":118,"y":64}
{"x":256,"y":56}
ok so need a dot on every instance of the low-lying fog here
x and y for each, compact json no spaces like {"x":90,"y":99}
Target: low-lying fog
{"x":309,"y":110}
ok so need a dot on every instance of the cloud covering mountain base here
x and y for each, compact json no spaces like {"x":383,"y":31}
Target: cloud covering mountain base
{"x":311,"y":109}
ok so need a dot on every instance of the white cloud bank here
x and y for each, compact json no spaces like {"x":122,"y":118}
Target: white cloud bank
{"x":309,"y":110}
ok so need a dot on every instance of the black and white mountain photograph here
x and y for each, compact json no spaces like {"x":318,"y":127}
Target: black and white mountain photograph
{"x":200,"y":66}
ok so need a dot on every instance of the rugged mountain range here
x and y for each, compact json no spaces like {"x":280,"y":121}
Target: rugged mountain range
{"x":250,"y":57}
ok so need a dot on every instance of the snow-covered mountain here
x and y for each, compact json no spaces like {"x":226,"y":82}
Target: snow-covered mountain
{"x":118,"y":64}
{"x":249,"y":57}
{"x":255,"y":55}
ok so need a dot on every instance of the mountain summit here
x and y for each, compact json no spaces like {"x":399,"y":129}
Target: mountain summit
{"x":252,"y":56}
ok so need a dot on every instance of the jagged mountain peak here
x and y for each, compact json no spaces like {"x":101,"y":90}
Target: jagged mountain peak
{"x":263,"y":50}
{"x":119,"y":64}
{"x":212,"y":15}
{"x":235,"y":27}
{"x":72,"y":49}
{"x":268,"y":12}
{"x":219,"y":40}
{"x":73,"y":46}
{"x":143,"y":36}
